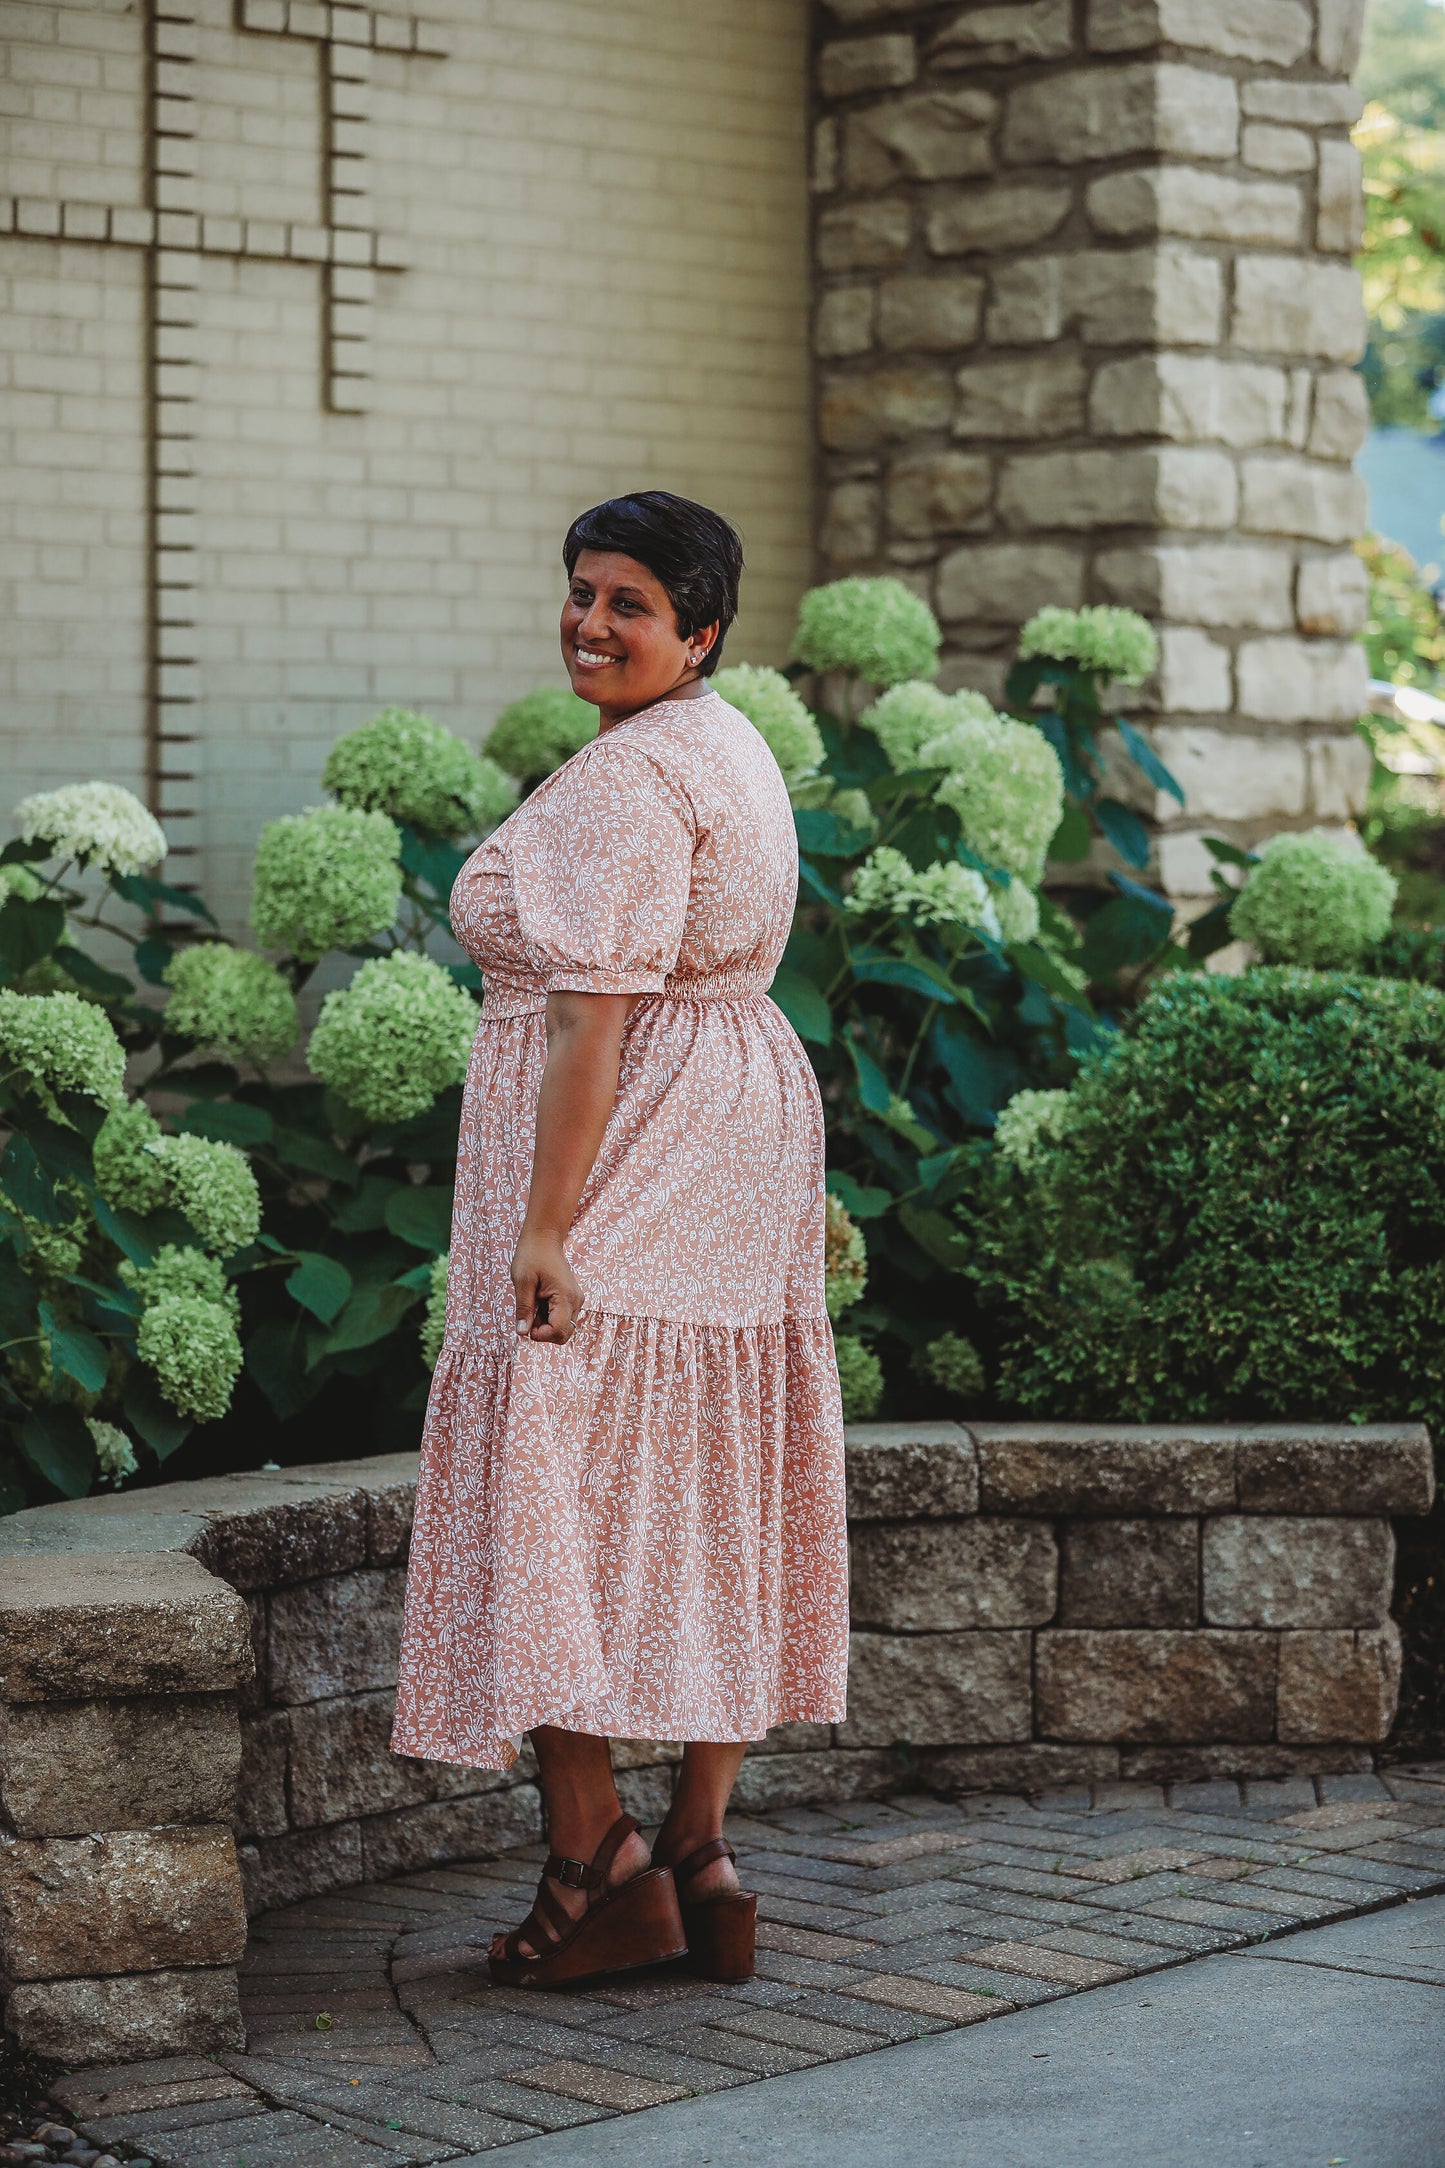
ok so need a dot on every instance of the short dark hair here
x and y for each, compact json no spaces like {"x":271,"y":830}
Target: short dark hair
{"x":695,"y":553}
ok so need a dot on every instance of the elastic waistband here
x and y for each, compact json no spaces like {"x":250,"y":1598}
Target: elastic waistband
{"x":503,"y":1001}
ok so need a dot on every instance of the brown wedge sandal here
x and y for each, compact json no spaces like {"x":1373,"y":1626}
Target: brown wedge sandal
{"x":637,"y":1923}
{"x":721,"y":1931}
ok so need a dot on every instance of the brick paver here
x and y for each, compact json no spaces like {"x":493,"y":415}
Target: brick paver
{"x":375,"y":2037}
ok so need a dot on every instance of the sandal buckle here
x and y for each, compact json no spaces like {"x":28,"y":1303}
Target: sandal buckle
{"x":571,"y":1873}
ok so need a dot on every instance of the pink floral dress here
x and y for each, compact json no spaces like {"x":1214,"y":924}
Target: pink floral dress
{"x":639,"y":1534}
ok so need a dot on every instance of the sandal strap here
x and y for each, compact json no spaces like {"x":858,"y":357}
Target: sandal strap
{"x":571,"y":1873}
{"x":683,"y":1870}
{"x":623,"y":1828}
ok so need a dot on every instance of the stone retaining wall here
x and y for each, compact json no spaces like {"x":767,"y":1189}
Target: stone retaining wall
{"x":197,"y":1680}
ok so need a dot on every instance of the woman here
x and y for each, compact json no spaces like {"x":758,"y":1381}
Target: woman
{"x":630,"y":1514}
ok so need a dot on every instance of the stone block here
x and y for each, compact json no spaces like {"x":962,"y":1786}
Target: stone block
{"x":1196,"y":204}
{"x":129,"y":1901}
{"x":646,"y":1794}
{"x":1332,"y":594}
{"x":96,"y":1624}
{"x":797,"y":1738}
{"x":390,"y":1509}
{"x":1194,"y":676}
{"x":1315,"y":499}
{"x":1096,"y":1469}
{"x":1105,"y":488}
{"x":1265,"y":1571}
{"x":931,"y":313}
{"x":858,"y":413}
{"x":1037,"y":1766}
{"x":1170,"y":294}
{"x":342,"y":1766}
{"x":128,"y":2020}
{"x":1129,"y":1573}
{"x":292,"y":1538}
{"x":1339,"y":30}
{"x":901,"y":1469}
{"x":1282,"y":680}
{"x":851,"y":65}
{"x":1189,"y":398}
{"x":1339,"y":1685}
{"x":936,"y":135}
{"x":1150,"y":1686}
{"x":1185,"y":866}
{"x":1276,"y":150}
{"x":950,"y":1689}
{"x":1227,"y":776}
{"x":864,"y":236}
{"x":1312,"y":1468}
{"x":1300,"y":104}
{"x":1290,"y":306}
{"x":950,"y":1576}
{"x":335,"y":1636}
{"x":770,"y":1781}
{"x":1031,"y":396}
{"x":852,"y":523}
{"x":1002,"y":583}
{"x":260,"y":1809}
{"x":1339,"y":200}
{"x":1103,"y":112}
{"x":843,"y":325}
{"x":997,"y":36}
{"x":419,"y":1837}
{"x":827,"y":160}
{"x":279,"y":1871}
{"x":1341,"y":417}
{"x":960,"y":221}
{"x":69,"y":1768}
{"x":1272,"y":30}
{"x":1210,"y":583}
{"x":1340,"y":770}
{"x":932,"y":493}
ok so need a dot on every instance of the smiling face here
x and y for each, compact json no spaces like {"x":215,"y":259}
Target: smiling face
{"x":620,"y":637}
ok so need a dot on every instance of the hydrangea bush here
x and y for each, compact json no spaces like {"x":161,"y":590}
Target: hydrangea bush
{"x":1315,"y":900}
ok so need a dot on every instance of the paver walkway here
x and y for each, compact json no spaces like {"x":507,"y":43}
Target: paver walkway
{"x":374,"y":2036}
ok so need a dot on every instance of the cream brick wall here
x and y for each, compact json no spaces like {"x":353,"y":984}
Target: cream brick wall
{"x":605,"y":211}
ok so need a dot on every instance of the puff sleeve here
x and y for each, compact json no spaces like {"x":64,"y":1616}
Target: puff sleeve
{"x":601,"y":860}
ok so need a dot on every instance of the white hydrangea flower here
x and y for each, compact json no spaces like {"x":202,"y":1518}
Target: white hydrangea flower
{"x":100,"y":823}
{"x":114,"y":1452}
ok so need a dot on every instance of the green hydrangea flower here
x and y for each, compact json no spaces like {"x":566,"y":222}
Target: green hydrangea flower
{"x":127,"y":1159}
{"x":193,"y":1347}
{"x":1029,"y":1121}
{"x":326,"y":879}
{"x":845,"y":1258}
{"x":537,"y":733}
{"x":776,"y":713}
{"x":952,"y":1364}
{"x":101,"y":824}
{"x":1118,"y":644}
{"x":114,"y":1453}
{"x":944,"y":894}
{"x":401,"y":1032}
{"x":1006,"y":786}
{"x":62,"y":1043}
{"x":875,"y":629}
{"x":860,"y":1375}
{"x":904,"y":719}
{"x":211,"y":1185}
{"x":232,"y":1000}
{"x":409,"y":767}
{"x":434,"y":1317}
{"x":1018,"y":912}
{"x":50,"y":1253}
{"x":178,"y":1271}
{"x":1314,"y":900}
{"x":20,"y":880}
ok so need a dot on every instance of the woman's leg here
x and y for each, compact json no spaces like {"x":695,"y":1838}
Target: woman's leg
{"x":580,"y":1803}
{"x":704,"y":1786}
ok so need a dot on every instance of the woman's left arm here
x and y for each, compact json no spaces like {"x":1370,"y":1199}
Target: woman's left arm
{"x":579,"y":1085}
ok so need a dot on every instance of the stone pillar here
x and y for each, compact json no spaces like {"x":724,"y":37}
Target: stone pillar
{"x":1086,"y":319}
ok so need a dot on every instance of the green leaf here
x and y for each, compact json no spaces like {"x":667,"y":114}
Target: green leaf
{"x":1072,"y":837}
{"x":804,"y":1005}
{"x":27,"y":1185}
{"x":1079,"y":779}
{"x":319,"y":1284}
{"x":1035,"y":963}
{"x":60,"y":1152}
{"x":431,"y":860}
{"x":1210,"y":931}
{"x":982,"y":1077}
{"x":59,"y":1447}
{"x":370,"y":1314}
{"x":145,"y":894}
{"x":419,"y":1276}
{"x":826,"y":836}
{"x":365,"y":1212}
{"x":872,"y":967}
{"x":28,"y":932}
{"x":17,"y":1298}
{"x":126,"y":1230}
{"x":935,"y":1233}
{"x":20,"y":853}
{"x":86,"y":972}
{"x":208,"y":1080}
{"x":1121,"y":936}
{"x":315,"y":1155}
{"x":1144,"y":757}
{"x":1124,"y":830}
{"x":422,"y":1217}
{"x":1229,"y":854}
{"x":227,"y":1121}
{"x":276,"y":1363}
{"x":151,"y":957}
{"x":155,"y":1422}
{"x":872,"y":1083}
{"x":74,"y":1351}
{"x":863,"y":1203}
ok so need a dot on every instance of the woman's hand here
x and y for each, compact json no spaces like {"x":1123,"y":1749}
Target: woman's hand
{"x":549,"y":1298}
